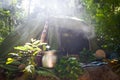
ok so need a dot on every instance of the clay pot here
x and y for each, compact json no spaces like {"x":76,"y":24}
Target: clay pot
{"x":100,"y":54}
{"x":49,"y":59}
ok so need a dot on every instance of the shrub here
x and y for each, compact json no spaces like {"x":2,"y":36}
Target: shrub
{"x":68,"y":68}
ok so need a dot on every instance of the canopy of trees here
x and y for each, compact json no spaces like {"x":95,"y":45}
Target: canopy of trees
{"x":105,"y":16}
{"x":10,"y":16}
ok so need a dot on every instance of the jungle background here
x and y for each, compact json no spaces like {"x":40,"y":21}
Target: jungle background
{"x":104,"y":15}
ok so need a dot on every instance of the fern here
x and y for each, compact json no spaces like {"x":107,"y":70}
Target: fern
{"x":46,"y":73}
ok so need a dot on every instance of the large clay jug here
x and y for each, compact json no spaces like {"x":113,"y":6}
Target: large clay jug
{"x":49,"y":59}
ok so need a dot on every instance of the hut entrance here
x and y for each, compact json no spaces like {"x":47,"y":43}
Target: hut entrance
{"x":72,"y":42}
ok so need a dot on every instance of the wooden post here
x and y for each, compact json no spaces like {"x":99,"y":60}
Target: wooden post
{"x":44,"y":32}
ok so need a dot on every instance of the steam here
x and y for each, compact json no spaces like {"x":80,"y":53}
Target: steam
{"x":59,"y":13}
{"x":54,"y":10}
{"x":40,"y":10}
{"x":75,"y":24}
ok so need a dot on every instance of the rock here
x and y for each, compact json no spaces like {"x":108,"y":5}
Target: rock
{"x":100,"y":54}
{"x":99,"y":73}
{"x":21,"y":66}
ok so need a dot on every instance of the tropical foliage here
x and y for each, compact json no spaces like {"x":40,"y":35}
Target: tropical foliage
{"x":86,"y":56}
{"x":105,"y":16}
{"x":5,"y":23}
{"x":22,"y":60}
{"x":10,"y":16}
{"x":68,"y":68}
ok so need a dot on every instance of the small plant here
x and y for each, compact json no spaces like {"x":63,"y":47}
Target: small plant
{"x":46,"y":74}
{"x":22,"y":62}
{"x":68,"y":68}
{"x":86,"y":56}
{"x":1,"y":40}
{"x":24,"y":56}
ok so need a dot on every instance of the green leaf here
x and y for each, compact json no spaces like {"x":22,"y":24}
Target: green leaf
{"x":27,"y":47}
{"x":9,"y":60}
{"x":30,"y":69}
{"x":22,"y":48}
{"x":36,"y":42}
{"x":14,"y":54}
{"x":44,"y":47}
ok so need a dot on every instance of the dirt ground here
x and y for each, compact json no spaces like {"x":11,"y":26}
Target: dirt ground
{"x":99,"y":73}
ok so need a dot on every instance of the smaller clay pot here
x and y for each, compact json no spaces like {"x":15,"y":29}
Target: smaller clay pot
{"x":100,"y":54}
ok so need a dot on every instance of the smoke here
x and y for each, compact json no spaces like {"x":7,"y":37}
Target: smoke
{"x":60,"y":14}
{"x":75,"y":24}
{"x":64,"y":13}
